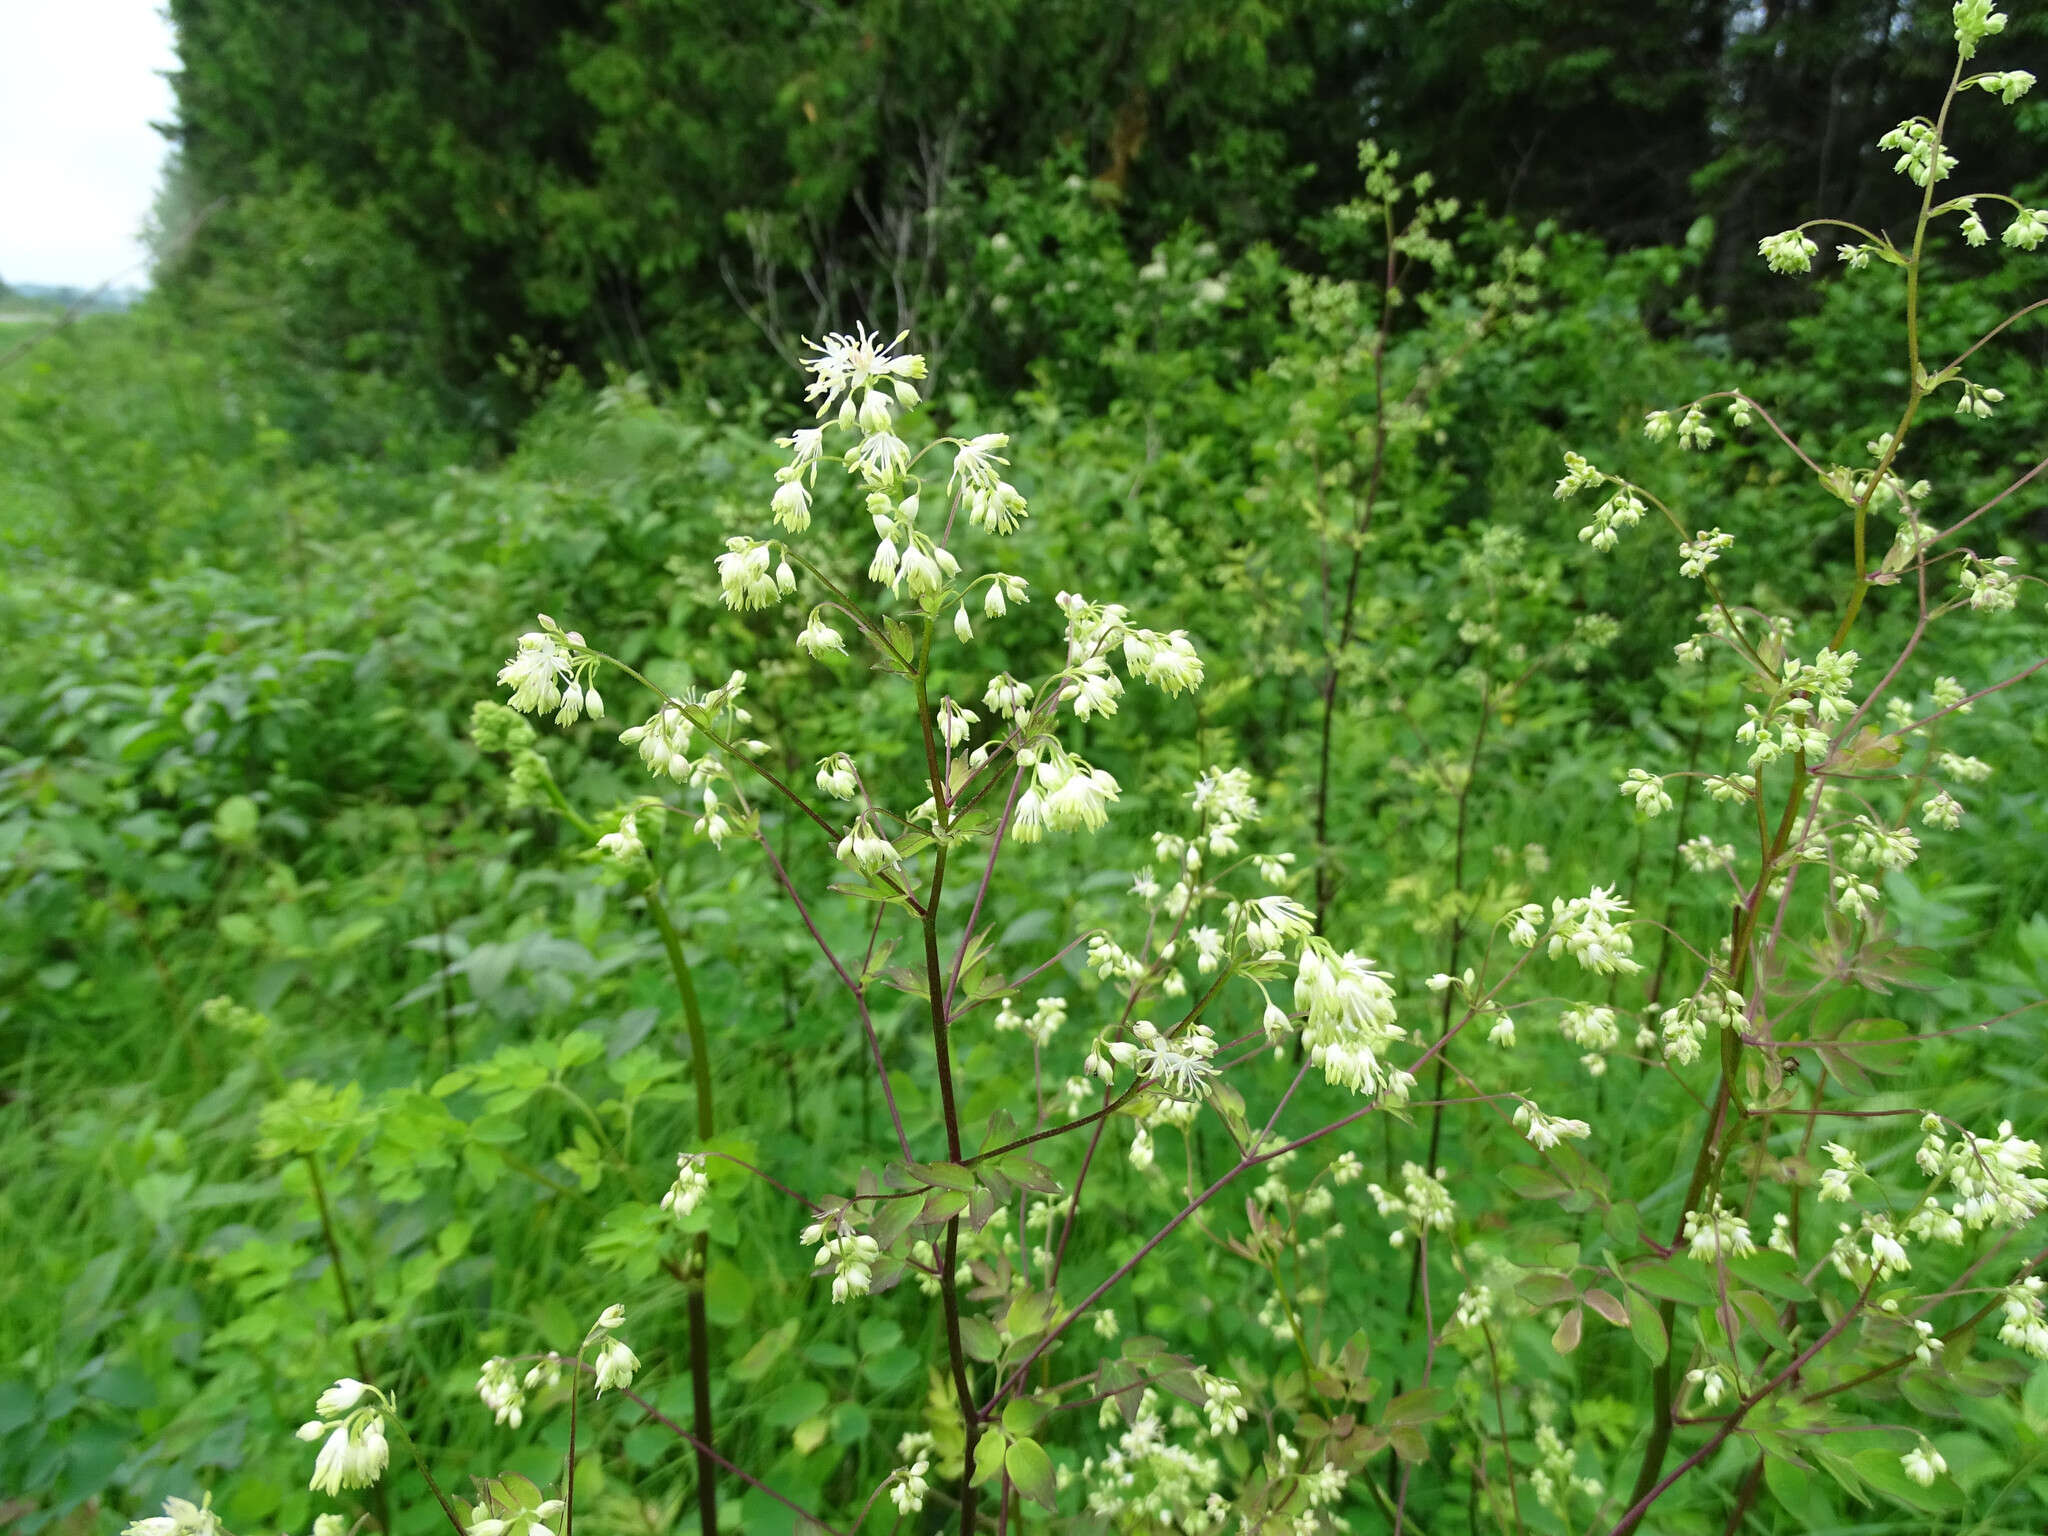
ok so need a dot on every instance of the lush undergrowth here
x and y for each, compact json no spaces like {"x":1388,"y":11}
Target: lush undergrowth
{"x":292,"y":971}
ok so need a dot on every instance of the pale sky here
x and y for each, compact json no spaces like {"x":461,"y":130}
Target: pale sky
{"x":80,"y":84}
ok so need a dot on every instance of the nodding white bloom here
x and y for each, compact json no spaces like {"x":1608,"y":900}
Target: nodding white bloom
{"x":2025,"y":1328}
{"x":624,"y":844}
{"x":341,"y":1397}
{"x":1578,"y":475}
{"x":849,"y":1255}
{"x":1141,"y":1154}
{"x":1208,"y":943}
{"x":999,"y":511}
{"x":1991,"y":1180}
{"x":1854,"y":896}
{"x":712,"y":824}
{"x":1423,"y":1205}
{"x":498,"y":1385}
{"x":882,"y":569}
{"x":1888,"y":1255}
{"x":1503,"y":1033}
{"x":664,"y":742}
{"x":880,"y":459}
{"x":181,"y":1517}
{"x":1702,"y":853}
{"x":615,"y":1364}
{"x":2029,"y":227}
{"x":1092,"y":687}
{"x":1923,"y":1464}
{"x":1624,"y":509}
{"x":1067,"y":795}
{"x":791,"y":504}
{"x":1006,"y":696}
{"x":1273,"y":922}
{"x":1593,"y":929}
{"x":536,"y":672}
{"x":1525,"y":925}
{"x":922,"y":568}
{"x":746,"y":578}
{"x":1970,"y":770}
{"x":1350,"y":1016}
{"x":354,"y":1456}
{"x":1978,"y":399}
{"x":1002,"y":591}
{"x":1546,"y":1131}
{"x":1943,"y":811}
{"x":1781,"y":1236}
{"x":1725,"y":789}
{"x":1712,"y":1384}
{"x":1180,"y":1066}
{"x":1788,"y":252}
{"x":955,"y":723}
{"x":1915,"y":141}
{"x":1168,"y":662}
{"x":1693,"y":431}
{"x":976,"y":462}
{"x":1702,"y":550}
{"x":1277,"y":1024}
{"x":909,"y":1489}
{"x":1834,"y":1182}
{"x":838,"y":777}
{"x":963,"y":627}
{"x":1991,"y":587}
{"x":1716,"y":1233}
{"x":1648,"y":792}
{"x":819,"y":639}
{"x":1046,"y":1019}
{"x":865,"y":849}
{"x":1223,"y":1403}
{"x":691,"y":1186}
{"x":1590,"y":1028}
{"x":2007,"y":85}
{"x":1224,"y":794}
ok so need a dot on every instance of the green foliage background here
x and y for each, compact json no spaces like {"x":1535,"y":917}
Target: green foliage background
{"x":472,"y":339}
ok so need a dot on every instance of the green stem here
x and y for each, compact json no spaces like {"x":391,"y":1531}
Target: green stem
{"x":700,"y":1324}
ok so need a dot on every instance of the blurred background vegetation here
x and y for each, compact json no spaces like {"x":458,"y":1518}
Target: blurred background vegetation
{"x":464,"y":311}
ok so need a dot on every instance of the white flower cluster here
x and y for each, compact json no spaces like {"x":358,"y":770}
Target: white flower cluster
{"x":1594,"y":930}
{"x":1423,"y":1204}
{"x":692,"y":1184}
{"x":1921,"y":159}
{"x":1702,"y":550}
{"x":181,"y":1517}
{"x":1349,"y":1020}
{"x":848,"y":1254}
{"x":1686,"y":1022}
{"x":615,"y":1362}
{"x":499,"y":1386}
{"x":1094,"y":630}
{"x":2025,"y":1327}
{"x":1989,"y":1175}
{"x":1789,"y":252}
{"x":1546,"y":1131}
{"x":1047,"y":1017}
{"x":351,"y":1420}
{"x":1989,"y":585}
{"x":1555,"y":1476}
{"x":1146,"y":1482}
{"x":1717,"y":1233}
{"x":547,"y":672}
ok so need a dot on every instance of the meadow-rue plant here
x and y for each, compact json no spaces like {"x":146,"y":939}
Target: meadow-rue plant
{"x":1220,"y":1027}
